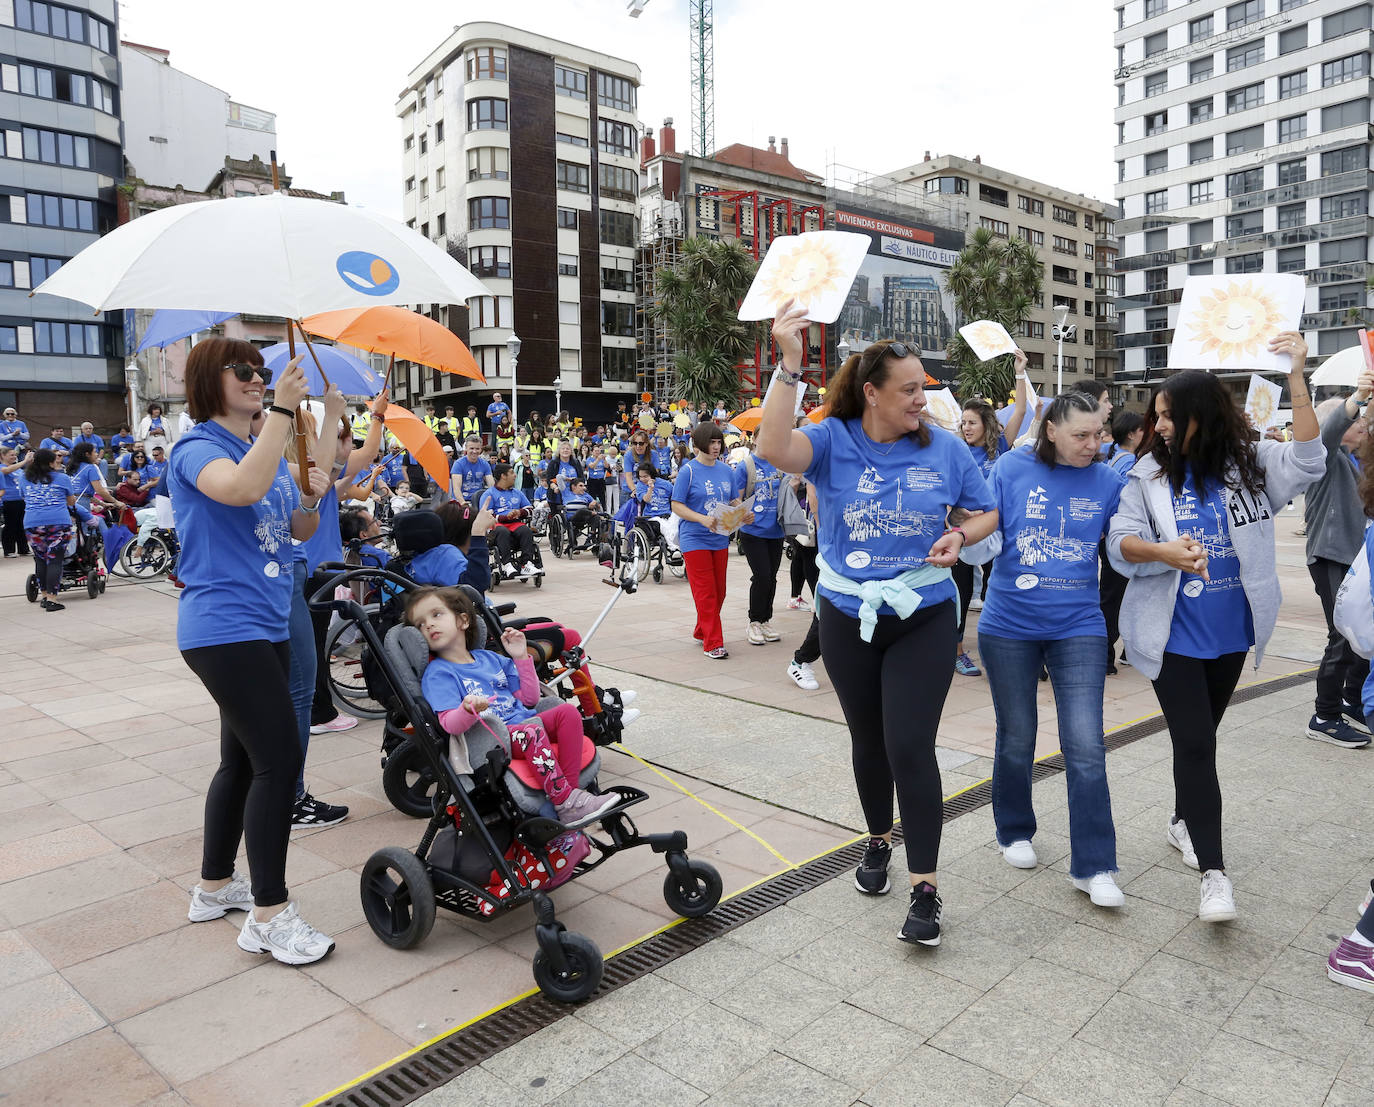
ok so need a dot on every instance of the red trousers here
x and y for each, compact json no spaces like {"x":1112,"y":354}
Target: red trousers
{"x":706,"y":575}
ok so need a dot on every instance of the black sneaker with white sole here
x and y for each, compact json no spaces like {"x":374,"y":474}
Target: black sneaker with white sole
{"x":923,"y":916}
{"x":871,"y":875}
{"x":1337,"y":732}
{"x":308,"y":811}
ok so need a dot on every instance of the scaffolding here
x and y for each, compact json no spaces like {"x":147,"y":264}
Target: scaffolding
{"x":659,"y":242}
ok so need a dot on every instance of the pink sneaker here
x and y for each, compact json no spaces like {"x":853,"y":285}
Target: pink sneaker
{"x":581,"y":806}
{"x":1352,"y":964}
{"x":796,"y":603}
{"x":337,"y":723}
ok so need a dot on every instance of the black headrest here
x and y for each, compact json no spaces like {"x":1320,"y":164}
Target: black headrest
{"x":417,"y":531}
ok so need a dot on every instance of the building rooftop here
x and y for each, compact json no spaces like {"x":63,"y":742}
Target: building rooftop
{"x":763,"y":161}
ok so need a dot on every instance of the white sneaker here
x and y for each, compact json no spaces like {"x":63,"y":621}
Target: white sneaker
{"x":1179,"y":839}
{"x":803,"y":676}
{"x":1217,"y":902}
{"x":1020,"y":854}
{"x":286,"y":936}
{"x":234,"y":896}
{"x":756,"y":637}
{"x":629,"y":715}
{"x":769,"y":634}
{"x":975,"y":604}
{"x":1101,"y":889}
{"x":527,"y":571}
{"x":627,"y":696}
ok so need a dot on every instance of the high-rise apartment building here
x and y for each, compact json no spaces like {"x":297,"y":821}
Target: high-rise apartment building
{"x":63,"y":156}
{"x":520,"y":154}
{"x":1242,"y":147}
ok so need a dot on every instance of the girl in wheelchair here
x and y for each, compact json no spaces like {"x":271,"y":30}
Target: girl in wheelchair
{"x":461,"y":682}
{"x":655,"y":496}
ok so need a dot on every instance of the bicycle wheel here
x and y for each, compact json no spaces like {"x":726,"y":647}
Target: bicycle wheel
{"x":346,"y":681}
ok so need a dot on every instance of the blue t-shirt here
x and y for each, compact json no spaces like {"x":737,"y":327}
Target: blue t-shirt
{"x":9,"y":485}
{"x":1211,"y":617}
{"x":94,"y":439}
{"x":13,"y":433}
{"x":985,"y":463}
{"x":497,"y":411}
{"x":596,"y":468}
{"x":471,"y":476}
{"x":663,"y":460}
{"x":502,"y":501}
{"x":326,"y":544}
{"x":659,"y":505}
{"x":1123,"y":461}
{"x":446,"y":684}
{"x":83,"y":480}
{"x":394,"y":470}
{"x":1044,"y":582}
{"x":57,"y":445}
{"x":574,"y":502}
{"x":119,"y":441}
{"x":703,"y":487}
{"x":883,"y":506}
{"x":766,"y":476}
{"x":441,"y":566}
{"x":45,"y":505}
{"x":236,"y":562}
{"x":567,"y":473}
{"x":153,"y":471}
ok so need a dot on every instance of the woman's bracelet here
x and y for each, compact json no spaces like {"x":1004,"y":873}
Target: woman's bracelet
{"x":279,"y":410}
{"x":785,"y":376}
{"x":959,"y":531}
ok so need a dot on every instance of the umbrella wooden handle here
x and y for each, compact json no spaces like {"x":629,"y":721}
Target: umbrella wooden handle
{"x":303,"y":462}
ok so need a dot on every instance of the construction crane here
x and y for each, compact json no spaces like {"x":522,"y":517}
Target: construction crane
{"x":701,"y":32}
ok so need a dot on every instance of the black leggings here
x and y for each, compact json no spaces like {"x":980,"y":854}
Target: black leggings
{"x":764,"y":556}
{"x":12,"y":528}
{"x":322,"y":707}
{"x":1111,"y":591}
{"x":1193,"y":694}
{"x":892,"y":691}
{"x":254,"y":788}
{"x":803,"y":570}
{"x":963,"y":581}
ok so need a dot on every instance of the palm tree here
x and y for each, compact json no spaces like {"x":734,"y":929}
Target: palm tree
{"x":698,"y":299}
{"x":998,"y":279}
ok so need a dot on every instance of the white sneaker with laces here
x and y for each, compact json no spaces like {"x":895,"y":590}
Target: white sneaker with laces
{"x":1180,"y":840}
{"x":803,"y":676}
{"x":527,"y":571}
{"x":237,"y":895}
{"x":1101,"y":889}
{"x":1020,"y":854}
{"x":975,"y":604}
{"x":286,"y":936}
{"x":756,"y":637}
{"x":769,"y":634}
{"x":1217,"y":902}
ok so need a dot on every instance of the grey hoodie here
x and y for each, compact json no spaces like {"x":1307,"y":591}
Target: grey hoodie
{"x":1147,"y":512}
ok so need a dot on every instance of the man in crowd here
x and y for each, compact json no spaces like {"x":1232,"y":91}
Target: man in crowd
{"x":471,"y":473}
{"x":13,"y":431}
{"x":58,"y":443}
{"x":496,"y":411}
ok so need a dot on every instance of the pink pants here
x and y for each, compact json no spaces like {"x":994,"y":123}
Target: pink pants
{"x":552,"y":743}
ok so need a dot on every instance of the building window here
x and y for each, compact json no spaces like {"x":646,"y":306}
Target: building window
{"x":1293,"y":172}
{"x":441,"y":225}
{"x":995,"y":196}
{"x":1250,"y":138}
{"x":1065,"y":246}
{"x":1346,"y":160}
{"x":1199,"y":111}
{"x":1245,"y":263}
{"x":487,"y":114}
{"x":569,"y":313}
{"x":1293,"y":128}
{"x":571,"y":140}
{"x":1238,"y":15}
{"x":617,"y":274}
{"x":569,"y":82}
{"x":80,"y":339}
{"x":1156,"y":162}
{"x":618,"y":319}
{"x":1341,"y":70}
{"x":1035,"y":238}
{"x":1156,"y":280}
{"x":1341,"y":296}
{"x":57,"y":84}
{"x":1156,"y":123}
{"x":1293,"y":84}
{"x":1067,"y":216}
{"x":66,"y":212}
{"x":1245,"y":55}
{"x":618,"y":228}
{"x":1291,"y":260}
{"x":1030,"y":206}
{"x":1032,"y":330}
{"x":1156,"y":83}
{"x":1285,"y":5}
{"x":1063,"y":274}
{"x":59,"y":22}
{"x":1238,"y":226}
{"x":489,"y":213}
{"x":567,"y":265}
{"x":1351,"y":113}
{"x":1035,"y":360}
{"x":1156,"y":242}
{"x":41,"y":268}
{"x":1342,"y":252}
{"x":1343,"y":206}
{"x":1200,"y":232}
{"x":438,"y":132}
{"x":567,"y":219}
{"x":615,"y":92}
{"x":615,"y":138}
{"x":1247,"y":180}
{"x":424,"y":189}
{"x":489,"y":261}
{"x":617,"y":364}
{"x":1240,"y":99}
{"x":1292,"y":215}
{"x":616,"y":182}
{"x":438,"y":180}
{"x":1156,"y":43}
{"x":1198,"y":29}
{"x":1199,"y":69}
{"x":1201,"y":151}
{"x":954,"y":186}
{"x":1088,"y":250}
{"x":1199,"y":192}
{"x":486,"y":63}
{"x":490,"y":311}
{"x":1087,"y":222}
{"x":52,"y":147}
{"x":1342,"y":23}
{"x":489,"y":163}
{"x":572,"y":177}
{"x":1155,"y":7}
{"x":996,"y":226}
{"x":410,"y":142}
{"x":1295,"y":38}
{"x":1065,"y":302}
{"x":1156,"y":201}
{"x":424,"y":144}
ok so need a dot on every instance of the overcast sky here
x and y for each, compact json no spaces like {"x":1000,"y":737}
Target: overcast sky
{"x":869,"y":84}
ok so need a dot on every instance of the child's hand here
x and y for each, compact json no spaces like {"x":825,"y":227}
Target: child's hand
{"x":475,"y":703}
{"x":514,"y":641}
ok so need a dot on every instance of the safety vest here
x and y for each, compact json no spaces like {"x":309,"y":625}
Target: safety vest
{"x":536,"y":449}
{"x":471,"y":426}
{"x":361,"y":424}
{"x":432,"y":422}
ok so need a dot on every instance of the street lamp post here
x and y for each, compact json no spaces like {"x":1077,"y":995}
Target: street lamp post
{"x":513,"y":346}
{"x":1061,"y":332}
{"x":558,"y":395}
{"x":842,"y":351}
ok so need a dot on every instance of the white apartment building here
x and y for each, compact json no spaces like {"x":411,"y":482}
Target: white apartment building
{"x":520,"y":153}
{"x":1242,"y":146}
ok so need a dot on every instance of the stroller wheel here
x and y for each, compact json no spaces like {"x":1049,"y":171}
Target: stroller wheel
{"x":92,"y":584}
{"x":31,"y":588}
{"x":398,"y":897}
{"x":694,"y":895}
{"x":585,"y":967}
{"x":539,"y":581}
{"x":409,"y":781}
{"x":658,"y":575}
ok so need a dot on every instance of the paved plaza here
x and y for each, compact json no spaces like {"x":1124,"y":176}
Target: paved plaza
{"x":1034,"y":997}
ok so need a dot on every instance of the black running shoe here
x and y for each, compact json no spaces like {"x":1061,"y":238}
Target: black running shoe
{"x":308,"y":811}
{"x":923,"y":916}
{"x":871,"y":875}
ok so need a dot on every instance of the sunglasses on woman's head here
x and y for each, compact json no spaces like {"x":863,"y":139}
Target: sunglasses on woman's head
{"x":244,"y":372}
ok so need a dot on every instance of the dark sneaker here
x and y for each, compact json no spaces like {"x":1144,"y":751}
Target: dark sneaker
{"x":1337,"y":732}
{"x":308,"y":811}
{"x":1353,"y":714}
{"x":871,"y":875}
{"x":923,"y":916}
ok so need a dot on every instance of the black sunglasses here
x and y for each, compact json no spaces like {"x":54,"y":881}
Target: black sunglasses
{"x":897,"y":349}
{"x":137,"y":456}
{"x":244,"y":372}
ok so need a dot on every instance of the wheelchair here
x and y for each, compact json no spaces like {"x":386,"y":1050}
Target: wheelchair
{"x":653,"y":553}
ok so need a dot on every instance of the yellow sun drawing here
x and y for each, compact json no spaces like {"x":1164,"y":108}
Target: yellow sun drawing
{"x":1261,"y":408}
{"x":807,"y":270}
{"x":1236,"y":321}
{"x":985,"y":335}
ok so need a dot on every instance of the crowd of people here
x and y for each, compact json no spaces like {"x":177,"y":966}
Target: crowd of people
{"x":1070,"y":529}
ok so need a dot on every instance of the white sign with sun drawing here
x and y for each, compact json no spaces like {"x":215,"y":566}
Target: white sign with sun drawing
{"x":817,"y":269}
{"x":1225,"y":323}
{"x":987,"y":338}
{"x":1262,"y":403}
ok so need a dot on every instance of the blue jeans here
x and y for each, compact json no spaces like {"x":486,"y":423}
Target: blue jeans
{"x":1078,"y":668}
{"x":301,"y":675}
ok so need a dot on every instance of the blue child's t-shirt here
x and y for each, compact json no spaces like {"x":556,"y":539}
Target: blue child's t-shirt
{"x":1211,"y":617}
{"x":660,"y":501}
{"x":440,"y":566}
{"x":766,"y":476}
{"x":446,"y":684}
{"x":703,"y":487}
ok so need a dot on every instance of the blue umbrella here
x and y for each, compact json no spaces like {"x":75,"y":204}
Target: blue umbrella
{"x":172,"y":326}
{"x":347,"y":373}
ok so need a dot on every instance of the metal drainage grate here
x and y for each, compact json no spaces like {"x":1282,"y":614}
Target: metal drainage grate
{"x":410,"y":1078}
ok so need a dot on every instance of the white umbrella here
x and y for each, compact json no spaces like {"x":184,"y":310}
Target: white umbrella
{"x":1341,"y":368}
{"x":268,"y":255}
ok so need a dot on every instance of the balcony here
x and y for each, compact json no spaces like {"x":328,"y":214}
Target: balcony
{"x":1339,"y":317}
{"x":1248,"y":244}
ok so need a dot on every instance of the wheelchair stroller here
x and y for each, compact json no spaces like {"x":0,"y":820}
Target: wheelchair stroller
{"x":83,"y":564}
{"x":488,"y":848}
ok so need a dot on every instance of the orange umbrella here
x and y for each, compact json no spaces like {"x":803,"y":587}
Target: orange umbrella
{"x":411,"y":432}
{"x":816,"y":414}
{"x":748,"y":419}
{"x":388,"y":329}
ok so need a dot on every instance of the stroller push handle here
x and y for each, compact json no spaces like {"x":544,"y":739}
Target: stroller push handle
{"x":323,"y":599}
